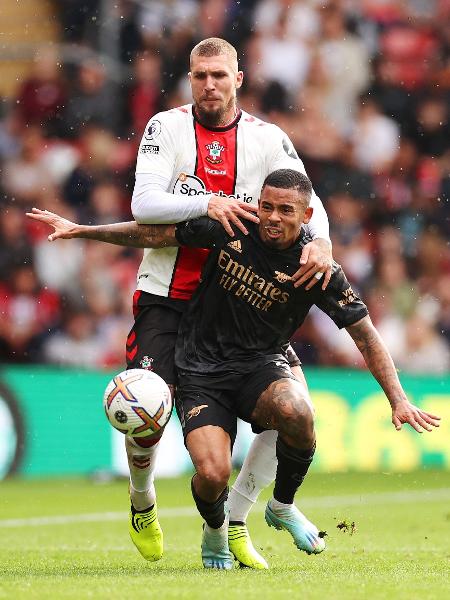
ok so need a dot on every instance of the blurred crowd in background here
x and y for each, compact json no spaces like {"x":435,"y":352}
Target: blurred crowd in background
{"x":361,"y":87}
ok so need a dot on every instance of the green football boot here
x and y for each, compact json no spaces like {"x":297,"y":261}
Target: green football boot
{"x":146,"y":533}
{"x":241,"y":546}
{"x":306,"y":536}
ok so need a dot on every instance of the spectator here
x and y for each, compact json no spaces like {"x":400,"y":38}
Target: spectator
{"x":345,"y":62}
{"x":108,"y":204}
{"x":375,"y":138}
{"x":277,"y":57}
{"x":43,"y":95}
{"x":314,"y":136}
{"x":25,"y":177}
{"x":410,"y":52}
{"x":393,"y":282}
{"x":143,"y":98}
{"x":352,"y":246}
{"x":92,"y":100}
{"x":10,"y":132}
{"x":77,"y":344}
{"x":28,"y":312}
{"x":212,"y":17}
{"x":425,"y":351}
{"x":76,"y":19}
{"x":177,"y":20}
{"x":301,"y":18}
{"x":97,"y":154}
{"x":58,"y":266}
{"x":432,"y":135}
{"x":15,"y":247}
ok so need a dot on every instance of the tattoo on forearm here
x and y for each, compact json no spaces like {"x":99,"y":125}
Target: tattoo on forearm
{"x":377,"y":358}
{"x":133,"y":234}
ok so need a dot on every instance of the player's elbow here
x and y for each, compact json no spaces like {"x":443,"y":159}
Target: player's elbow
{"x":137,"y":209}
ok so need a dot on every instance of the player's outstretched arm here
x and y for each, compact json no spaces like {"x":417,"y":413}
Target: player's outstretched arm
{"x":381,"y":365}
{"x":121,"y":234}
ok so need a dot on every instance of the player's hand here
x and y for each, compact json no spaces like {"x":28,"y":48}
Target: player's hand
{"x":316,"y":258}
{"x":405,"y":412}
{"x":63,"y":228}
{"x":229,"y":211}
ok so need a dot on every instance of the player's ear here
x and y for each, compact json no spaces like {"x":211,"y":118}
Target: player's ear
{"x":190,"y":76}
{"x":239,"y":79}
{"x":308,"y":214}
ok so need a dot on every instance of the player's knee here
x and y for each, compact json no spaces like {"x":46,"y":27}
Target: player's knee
{"x":214,"y":472}
{"x":296,"y":419}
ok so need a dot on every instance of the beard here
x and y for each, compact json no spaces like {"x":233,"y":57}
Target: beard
{"x":217,"y":117}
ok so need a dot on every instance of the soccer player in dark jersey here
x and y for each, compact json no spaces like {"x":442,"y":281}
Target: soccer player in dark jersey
{"x":205,"y":158}
{"x":231,"y":352}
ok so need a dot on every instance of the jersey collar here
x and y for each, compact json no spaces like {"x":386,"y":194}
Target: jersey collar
{"x":230,"y":125}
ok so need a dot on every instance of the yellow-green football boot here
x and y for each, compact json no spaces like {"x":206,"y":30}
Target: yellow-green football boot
{"x":146,"y":533}
{"x":241,"y":547}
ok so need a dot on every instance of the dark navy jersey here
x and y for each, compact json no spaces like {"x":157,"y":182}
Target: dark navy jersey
{"x":246,"y":308}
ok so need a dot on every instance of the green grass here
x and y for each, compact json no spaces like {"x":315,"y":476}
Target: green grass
{"x":401,"y":548}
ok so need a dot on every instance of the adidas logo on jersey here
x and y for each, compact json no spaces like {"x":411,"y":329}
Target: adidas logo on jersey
{"x":236,"y":245}
{"x":282,"y":277}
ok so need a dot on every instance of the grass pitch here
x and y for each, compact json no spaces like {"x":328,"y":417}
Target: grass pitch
{"x":69,"y":539}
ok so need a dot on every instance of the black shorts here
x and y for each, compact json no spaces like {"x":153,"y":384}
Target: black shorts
{"x":151,"y":341}
{"x":218,"y":400}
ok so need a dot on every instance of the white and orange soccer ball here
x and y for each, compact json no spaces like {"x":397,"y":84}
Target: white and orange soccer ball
{"x":137,"y":402}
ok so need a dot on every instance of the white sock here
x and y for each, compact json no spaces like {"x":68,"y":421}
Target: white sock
{"x":257,"y":472}
{"x":276,"y":505}
{"x":141,"y":462}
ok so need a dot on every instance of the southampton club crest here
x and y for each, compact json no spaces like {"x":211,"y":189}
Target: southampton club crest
{"x":215,"y":150}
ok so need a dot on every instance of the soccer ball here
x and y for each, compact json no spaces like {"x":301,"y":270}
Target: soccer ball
{"x":137,"y":402}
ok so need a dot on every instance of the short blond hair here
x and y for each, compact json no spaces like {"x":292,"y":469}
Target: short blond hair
{"x":214,"y":47}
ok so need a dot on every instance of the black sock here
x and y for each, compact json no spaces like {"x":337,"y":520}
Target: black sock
{"x":144,"y":510}
{"x":212,"y":512}
{"x":293,"y":464}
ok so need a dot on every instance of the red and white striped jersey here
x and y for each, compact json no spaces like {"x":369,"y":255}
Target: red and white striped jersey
{"x":191,"y":162}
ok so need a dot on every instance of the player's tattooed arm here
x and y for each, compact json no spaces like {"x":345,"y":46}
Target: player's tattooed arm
{"x":381,"y":365}
{"x":121,"y":234}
